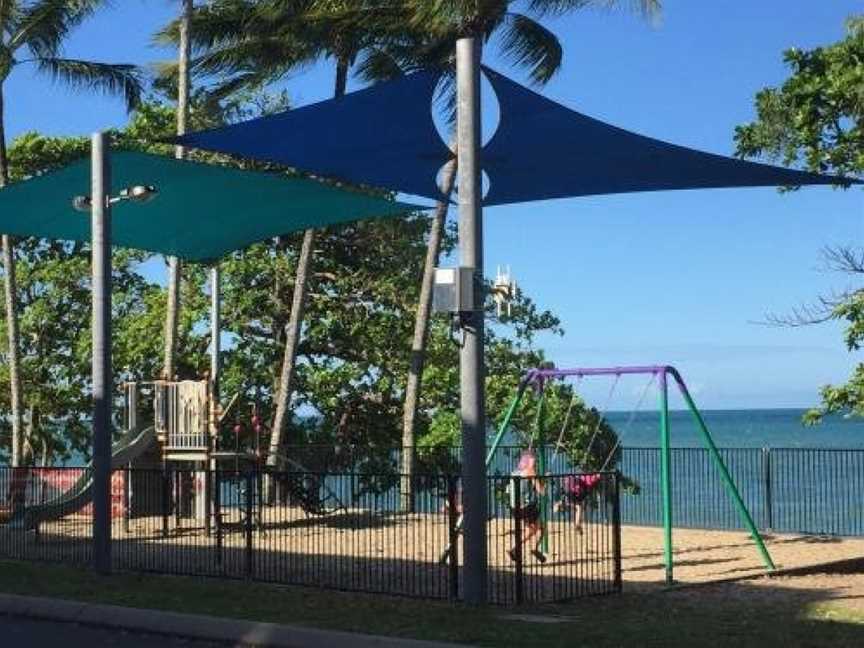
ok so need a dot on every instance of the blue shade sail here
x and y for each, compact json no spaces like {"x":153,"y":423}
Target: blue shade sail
{"x":201,"y":211}
{"x":384,"y":136}
{"x":543,"y":150}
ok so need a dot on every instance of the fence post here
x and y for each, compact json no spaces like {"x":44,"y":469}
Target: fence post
{"x":616,"y":529}
{"x":217,"y":515}
{"x":259,"y":497}
{"x":517,"y":532}
{"x":248,"y":523}
{"x":453,"y":526}
{"x":208,"y":499}
{"x":178,"y":497}
{"x":769,"y":496}
{"x":37,"y":532}
{"x":127,"y":499}
{"x":166,"y":500}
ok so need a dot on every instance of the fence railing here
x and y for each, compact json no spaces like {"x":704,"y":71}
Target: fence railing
{"x":323,"y":529}
{"x":787,"y":490}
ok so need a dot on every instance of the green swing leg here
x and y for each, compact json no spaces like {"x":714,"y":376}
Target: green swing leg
{"x":724,"y":474}
{"x":540,"y":443}
{"x":666,"y":479}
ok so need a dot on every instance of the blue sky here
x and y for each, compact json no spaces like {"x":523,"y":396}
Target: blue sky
{"x":675,"y":277}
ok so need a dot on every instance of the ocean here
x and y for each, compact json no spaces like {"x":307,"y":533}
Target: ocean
{"x":772,"y":428}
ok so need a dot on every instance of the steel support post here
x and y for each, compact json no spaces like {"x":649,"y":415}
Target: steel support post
{"x":101,"y":361}
{"x":472,"y":371}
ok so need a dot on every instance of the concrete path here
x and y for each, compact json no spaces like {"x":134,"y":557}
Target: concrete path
{"x":36,"y":633}
{"x":173,"y":624}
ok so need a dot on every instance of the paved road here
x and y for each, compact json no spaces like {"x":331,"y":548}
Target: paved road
{"x":28,"y":633}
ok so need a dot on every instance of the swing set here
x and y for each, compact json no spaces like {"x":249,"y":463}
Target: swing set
{"x":660,"y":375}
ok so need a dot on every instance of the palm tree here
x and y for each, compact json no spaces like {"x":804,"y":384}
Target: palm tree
{"x":32,"y":33}
{"x":172,"y":312}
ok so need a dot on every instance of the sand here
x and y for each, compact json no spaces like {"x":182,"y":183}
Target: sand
{"x":400,"y":554}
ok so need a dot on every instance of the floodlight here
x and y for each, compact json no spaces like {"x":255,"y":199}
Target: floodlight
{"x":139,"y":193}
{"x":135,"y":193}
{"x":81,"y":203}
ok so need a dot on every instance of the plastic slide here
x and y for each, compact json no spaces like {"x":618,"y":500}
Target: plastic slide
{"x":130,"y":446}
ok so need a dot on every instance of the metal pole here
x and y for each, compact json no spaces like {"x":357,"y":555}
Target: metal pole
{"x":102,"y":373}
{"x":215,"y":327}
{"x":737,"y":500}
{"x":666,"y":477}
{"x":472,"y":372}
{"x":769,"y":499}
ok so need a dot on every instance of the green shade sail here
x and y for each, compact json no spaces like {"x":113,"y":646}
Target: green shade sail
{"x":201,"y":212}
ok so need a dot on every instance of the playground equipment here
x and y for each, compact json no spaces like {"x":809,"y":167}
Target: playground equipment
{"x":538,"y":378}
{"x":659,"y":375}
{"x":180,"y":424}
{"x":131,"y":445}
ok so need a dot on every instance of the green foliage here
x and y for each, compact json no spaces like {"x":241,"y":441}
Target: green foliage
{"x":39,"y":28}
{"x":816,"y":120}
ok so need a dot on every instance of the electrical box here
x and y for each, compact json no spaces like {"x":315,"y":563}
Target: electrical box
{"x":453,"y":291}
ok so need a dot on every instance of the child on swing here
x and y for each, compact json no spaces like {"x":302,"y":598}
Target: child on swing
{"x":531,"y":489}
{"x":577,"y":489}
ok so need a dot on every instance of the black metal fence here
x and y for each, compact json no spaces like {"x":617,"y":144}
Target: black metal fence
{"x":787,"y":490}
{"x":326,"y":530}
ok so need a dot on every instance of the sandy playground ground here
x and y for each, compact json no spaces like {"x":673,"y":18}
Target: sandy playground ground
{"x":709,"y":556}
{"x":357,"y":551}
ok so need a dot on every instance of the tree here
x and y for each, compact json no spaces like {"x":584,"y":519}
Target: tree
{"x":38,"y":28}
{"x":815,"y":120}
{"x":174,"y":268}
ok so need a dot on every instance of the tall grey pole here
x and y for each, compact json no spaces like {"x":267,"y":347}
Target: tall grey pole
{"x":472,"y":369}
{"x":100,"y":226}
{"x":215,"y":327}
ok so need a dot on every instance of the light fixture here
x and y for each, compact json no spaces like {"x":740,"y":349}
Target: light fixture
{"x":135,"y":193}
{"x":139,"y":193}
{"x":81,"y":203}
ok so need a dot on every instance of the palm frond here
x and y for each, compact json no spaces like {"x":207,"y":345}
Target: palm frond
{"x":44,"y":25}
{"x":377,"y":64}
{"x":273,"y":57}
{"x":214,"y":24}
{"x":529,"y":44}
{"x":113,"y":79}
{"x":649,"y":9}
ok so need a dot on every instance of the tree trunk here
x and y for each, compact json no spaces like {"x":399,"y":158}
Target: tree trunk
{"x":172,"y":315}
{"x":421,"y":335}
{"x":10,"y":289}
{"x":298,"y":310}
{"x":292,"y":341}
{"x":27,"y":452}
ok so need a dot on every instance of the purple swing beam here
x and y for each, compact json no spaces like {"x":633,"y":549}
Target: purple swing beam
{"x":546,"y":374}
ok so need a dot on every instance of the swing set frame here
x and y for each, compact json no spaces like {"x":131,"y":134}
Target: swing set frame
{"x":537,"y":378}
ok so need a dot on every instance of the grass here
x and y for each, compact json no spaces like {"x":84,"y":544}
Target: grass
{"x":730,"y":616}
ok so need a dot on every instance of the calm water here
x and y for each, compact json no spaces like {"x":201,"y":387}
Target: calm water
{"x":775,"y":428}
